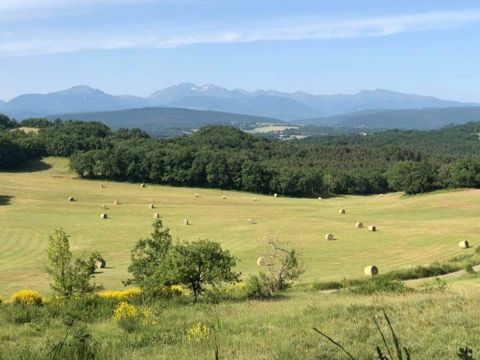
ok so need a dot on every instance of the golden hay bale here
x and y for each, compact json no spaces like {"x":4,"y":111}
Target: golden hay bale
{"x":197,"y":196}
{"x":143,"y":185}
{"x":255,"y":199}
{"x":359,"y":225}
{"x":224,"y":197}
{"x":186,"y":222}
{"x":100,"y":263}
{"x":319,"y":198}
{"x":371,"y":271}
{"x":342,"y":211}
{"x":329,"y":236}
{"x":275,"y":195}
{"x":252,"y":221}
{"x":156,"y":216}
{"x":151,"y":206}
{"x":464,"y":244}
{"x":103,"y":216}
{"x":372,"y":228}
{"x":116,"y":202}
{"x":261,"y":261}
{"x":71,"y":198}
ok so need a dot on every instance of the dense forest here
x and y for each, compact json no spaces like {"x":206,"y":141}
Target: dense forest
{"x":227,"y":158}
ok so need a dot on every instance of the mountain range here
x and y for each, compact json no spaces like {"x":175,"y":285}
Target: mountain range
{"x":272,"y":104}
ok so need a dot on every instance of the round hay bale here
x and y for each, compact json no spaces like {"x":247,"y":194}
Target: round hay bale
{"x":252,"y":221}
{"x":104,"y":216}
{"x":224,"y":197}
{"x":71,"y":199}
{"x":100,"y":263}
{"x":186,"y":222}
{"x":329,"y":237}
{"x":261,"y":261}
{"x":275,"y":195}
{"x":116,"y":203}
{"x":156,"y":216}
{"x":371,"y":271}
{"x":197,"y":196}
{"x":464,"y":244}
{"x":255,"y":199}
{"x":372,"y":228}
{"x":359,"y":225}
{"x":342,"y":211}
{"x":151,"y":206}
{"x":319,"y":198}
{"x":143,"y":185}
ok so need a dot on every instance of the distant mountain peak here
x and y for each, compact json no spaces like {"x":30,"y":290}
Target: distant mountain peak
{"x":80,"y":89}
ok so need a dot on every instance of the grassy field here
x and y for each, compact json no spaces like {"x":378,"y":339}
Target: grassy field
{"x":411,"y":230}
{"x":272,"y":128}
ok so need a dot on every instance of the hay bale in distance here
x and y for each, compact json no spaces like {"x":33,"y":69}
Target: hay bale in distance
{"x":261,"y":261}
{"x":116,"y":203}
{"x":104,"y":216}
{"x":151,"y":206}
{"x":224,"y":197}
{"x":329,"y":237}
{"x":320,"y":198}
{"x":372,"y":228}
{"x":71,"y":198}
{"x":275,"y":195}
{"x":464,"y":244}
{"x":100,"y":263}
{"x":342,"y":211}
{"x":197,"y":196}
{"x":371,"y":271}
{"x":186,"y":222}
{"x":143,"y":185}
{"x":156,"y":216}
{"x":255,"y":199}
{"x":252,"y":221}
{"x":359,"y":225}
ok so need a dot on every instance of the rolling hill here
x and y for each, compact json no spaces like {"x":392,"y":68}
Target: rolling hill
{"x":162,"y":122}
{"x":400,"y":119}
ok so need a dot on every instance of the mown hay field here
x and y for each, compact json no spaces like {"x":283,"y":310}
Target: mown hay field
{"x":410,"y":230}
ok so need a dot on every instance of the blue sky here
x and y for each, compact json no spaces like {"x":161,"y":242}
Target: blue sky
{"x":135,"y":47}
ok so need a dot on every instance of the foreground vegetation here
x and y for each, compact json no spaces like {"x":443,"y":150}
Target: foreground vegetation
{"x":278,"y":329}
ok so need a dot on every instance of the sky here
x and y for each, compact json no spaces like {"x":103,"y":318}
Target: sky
{"x":429,"y":47}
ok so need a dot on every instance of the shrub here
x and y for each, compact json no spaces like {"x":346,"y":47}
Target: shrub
{"x":259,"y":286}
{"x":379,"y":284}
{"x":126,"y":316}
{"x":121,"y":295}
{"x":329,"y":285}
{"x":27,"y":298}
{"x":1,"y":300}
{"x":198,"y":332}
{"x":469,"y":269}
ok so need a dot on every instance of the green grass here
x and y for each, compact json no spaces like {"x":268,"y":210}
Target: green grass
{"x":412,"y":230}
{"x":279,"y":329}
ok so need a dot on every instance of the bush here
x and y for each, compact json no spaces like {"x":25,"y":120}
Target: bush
{"x":329,"y":285}
{"x":121,"y":295}
{"x":126,"y":316}
{"x":259,"y":286}
{"x":27,"y":298}
{"x":379,"y":284}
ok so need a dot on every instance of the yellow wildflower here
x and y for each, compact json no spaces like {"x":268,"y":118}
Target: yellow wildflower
{"x":27,"y":297}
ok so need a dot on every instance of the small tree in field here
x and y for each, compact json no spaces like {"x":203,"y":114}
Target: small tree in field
{"x":149,"y":257}
{"x":69,"y":276}
{"x":199,"y":263}
{"x":281,"y":268}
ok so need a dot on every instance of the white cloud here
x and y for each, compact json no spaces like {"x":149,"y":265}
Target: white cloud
{"x":296,"y":29}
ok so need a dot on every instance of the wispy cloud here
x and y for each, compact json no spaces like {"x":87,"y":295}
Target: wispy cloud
{"x":294,"y":29}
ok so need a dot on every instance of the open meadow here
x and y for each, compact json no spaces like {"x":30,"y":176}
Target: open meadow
{"x":412,"y":230}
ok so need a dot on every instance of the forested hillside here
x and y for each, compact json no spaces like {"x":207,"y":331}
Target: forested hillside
{"x":225,"y":157}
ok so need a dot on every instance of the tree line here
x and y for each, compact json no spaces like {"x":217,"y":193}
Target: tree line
{"x":227,"y":158}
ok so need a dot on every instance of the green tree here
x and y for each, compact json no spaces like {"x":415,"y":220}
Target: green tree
{"x":149,"y":260}
{"x":69,"y":276}
{"x":199,"y":263}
